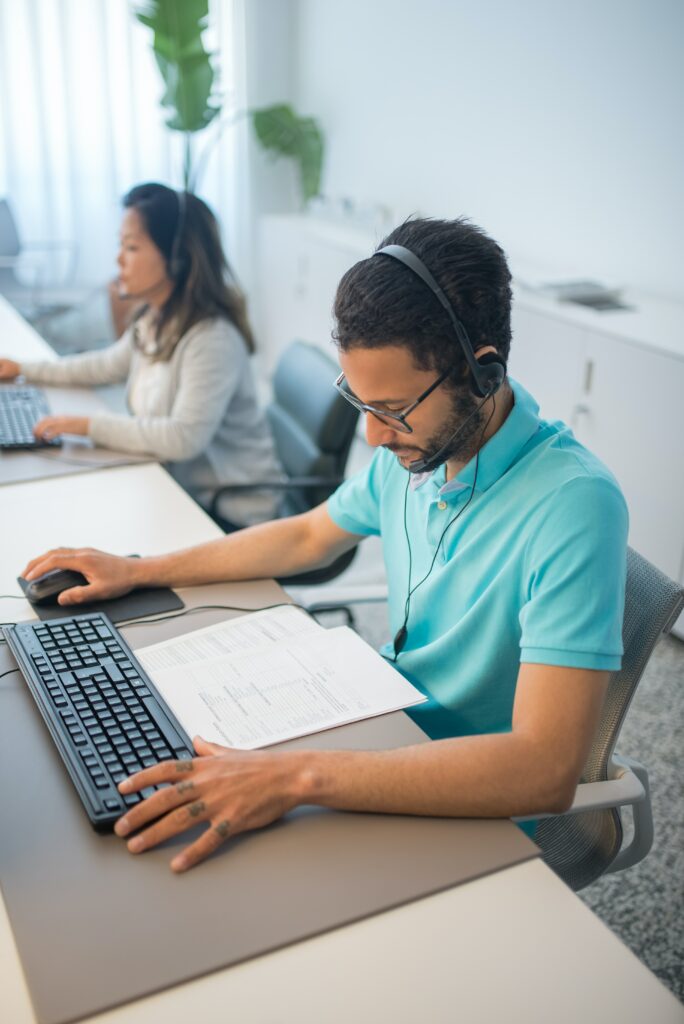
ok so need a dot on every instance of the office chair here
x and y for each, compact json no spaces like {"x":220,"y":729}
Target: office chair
{"x":33,"y":300}
{"x":313,"y":428}
{"x":587,"y":841}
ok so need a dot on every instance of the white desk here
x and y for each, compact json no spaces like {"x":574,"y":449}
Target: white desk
{"x":516,"y":946}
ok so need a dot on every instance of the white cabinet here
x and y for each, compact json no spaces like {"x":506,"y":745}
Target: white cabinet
{"x":548,"y":356}
{"x":632,"y":417}
{"x":300,"y":264}
{"x":625,"y":402}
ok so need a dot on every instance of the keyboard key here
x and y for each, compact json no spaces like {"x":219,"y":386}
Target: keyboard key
{"x":113,"y":671}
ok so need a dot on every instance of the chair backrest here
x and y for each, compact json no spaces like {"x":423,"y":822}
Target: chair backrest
{"x":312,"y":424}
{"x":9,"y":238}
{"x":579,"y":847}
{"x":10,"y":246}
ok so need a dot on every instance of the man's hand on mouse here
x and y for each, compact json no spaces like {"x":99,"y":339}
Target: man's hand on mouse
{"x":107,"y":575}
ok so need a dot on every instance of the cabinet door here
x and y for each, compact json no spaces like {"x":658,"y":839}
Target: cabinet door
{"x":632,"y":416}
{"x":299,"y":270}
{"x":547,"y":357}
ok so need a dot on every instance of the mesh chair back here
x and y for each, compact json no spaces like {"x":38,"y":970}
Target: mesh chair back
{"x":579,"y":847}
{"x":312,"y":424}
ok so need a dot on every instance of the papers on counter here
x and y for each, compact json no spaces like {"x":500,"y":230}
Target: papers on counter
{"x":271,"y":676}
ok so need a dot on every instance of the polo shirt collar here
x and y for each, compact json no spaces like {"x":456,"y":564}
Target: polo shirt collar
{"x":499,"y":453}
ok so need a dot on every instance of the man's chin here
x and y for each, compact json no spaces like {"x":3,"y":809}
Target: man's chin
{"x":407,"y":455}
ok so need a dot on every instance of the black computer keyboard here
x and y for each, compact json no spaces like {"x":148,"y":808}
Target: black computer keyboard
{"x":101,"y":708}
{"x":20,"y":410}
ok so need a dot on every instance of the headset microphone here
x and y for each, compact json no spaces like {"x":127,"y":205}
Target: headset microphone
{"x":431,"y":462}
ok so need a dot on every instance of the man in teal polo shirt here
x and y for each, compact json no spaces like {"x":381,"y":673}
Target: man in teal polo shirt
{"x":504,"y":543}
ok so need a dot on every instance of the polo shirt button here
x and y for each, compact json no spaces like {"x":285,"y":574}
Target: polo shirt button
{"x":441,"y":505}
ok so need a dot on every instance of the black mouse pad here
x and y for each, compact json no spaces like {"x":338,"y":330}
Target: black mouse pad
{"x":146,"y":601}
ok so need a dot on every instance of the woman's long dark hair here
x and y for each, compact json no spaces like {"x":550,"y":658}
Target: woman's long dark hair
{"x":186,"y":233}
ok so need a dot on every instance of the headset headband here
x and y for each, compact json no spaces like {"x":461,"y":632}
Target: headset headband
{"x":487,"y":376}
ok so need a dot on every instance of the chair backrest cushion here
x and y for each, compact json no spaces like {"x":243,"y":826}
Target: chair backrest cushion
{"x":312,"y":425}
{"x":9,"y":239}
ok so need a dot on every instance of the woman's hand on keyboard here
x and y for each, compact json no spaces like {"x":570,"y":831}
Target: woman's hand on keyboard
{"x":107,"y":575}
{"x":53,"y":426}
{"x":231,"y":790}
{"x":9,"y":369}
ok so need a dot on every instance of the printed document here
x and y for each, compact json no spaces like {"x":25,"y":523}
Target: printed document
{"x":271,"y":676}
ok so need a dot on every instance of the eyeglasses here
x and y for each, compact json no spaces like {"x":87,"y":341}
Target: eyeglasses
{"x":396,"y":420}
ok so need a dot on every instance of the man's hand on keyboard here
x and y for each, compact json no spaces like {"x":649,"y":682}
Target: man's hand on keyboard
{"x":232,"y":791}
{"x":53,"y":426}
{"x":107,"y":575}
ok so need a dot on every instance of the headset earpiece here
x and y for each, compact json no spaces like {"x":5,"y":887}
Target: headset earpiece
{"x":491,"y":374}
{"x":177,"y":264}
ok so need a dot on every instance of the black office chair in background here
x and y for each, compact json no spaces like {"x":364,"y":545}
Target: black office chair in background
{"x":44,"y":295}
{"x":313,"y":428}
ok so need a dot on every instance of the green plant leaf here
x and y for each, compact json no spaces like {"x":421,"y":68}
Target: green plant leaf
{"x":280,"y":130}
{"x":184,"y":64}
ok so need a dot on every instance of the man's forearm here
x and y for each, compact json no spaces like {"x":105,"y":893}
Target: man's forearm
{"x":475,"y":776}
{"x":278,"y":548}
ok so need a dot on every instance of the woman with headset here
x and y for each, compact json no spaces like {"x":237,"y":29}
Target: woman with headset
{"x":190,"y":388}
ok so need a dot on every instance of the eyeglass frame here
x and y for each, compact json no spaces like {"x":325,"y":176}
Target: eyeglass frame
{"x":382,"y":414}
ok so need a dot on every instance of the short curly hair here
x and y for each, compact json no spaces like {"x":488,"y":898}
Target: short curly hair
{"x":381,"y":302}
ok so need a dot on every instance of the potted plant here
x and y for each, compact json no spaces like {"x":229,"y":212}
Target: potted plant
{"x":193,"y":104}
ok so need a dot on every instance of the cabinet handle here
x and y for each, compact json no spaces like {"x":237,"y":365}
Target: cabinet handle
{"x":579,"y":410}
{"x":588,"y":376}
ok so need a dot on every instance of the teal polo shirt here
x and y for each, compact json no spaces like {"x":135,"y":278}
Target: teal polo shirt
{"x":532,"y":571}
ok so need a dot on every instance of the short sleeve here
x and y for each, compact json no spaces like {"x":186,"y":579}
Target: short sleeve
{"x":575,"y":571}
{"x":356,"y":504}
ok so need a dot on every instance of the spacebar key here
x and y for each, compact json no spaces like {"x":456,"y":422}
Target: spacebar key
{"x":164,"y":724}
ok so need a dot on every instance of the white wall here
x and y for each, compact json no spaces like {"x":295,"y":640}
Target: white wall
{"x":555,"y":125}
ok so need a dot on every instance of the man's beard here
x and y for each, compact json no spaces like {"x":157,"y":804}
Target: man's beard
{"x":467,"y":440}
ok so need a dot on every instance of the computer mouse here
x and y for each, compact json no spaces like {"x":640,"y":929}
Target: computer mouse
{"x":46,"y":589}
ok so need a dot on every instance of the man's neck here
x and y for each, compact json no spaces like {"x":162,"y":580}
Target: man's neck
{"x":503,"y":403}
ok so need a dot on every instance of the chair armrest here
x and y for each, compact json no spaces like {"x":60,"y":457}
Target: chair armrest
{"x":627,"y":787}
{"x":55,"y":245}
{"x":292,"y":483}
{"x":623,"y":789}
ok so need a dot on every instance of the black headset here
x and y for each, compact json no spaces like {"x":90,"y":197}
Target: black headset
{"x":487,"y":375}
{"x":177,"y":263}
{"x":489,"y":371}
